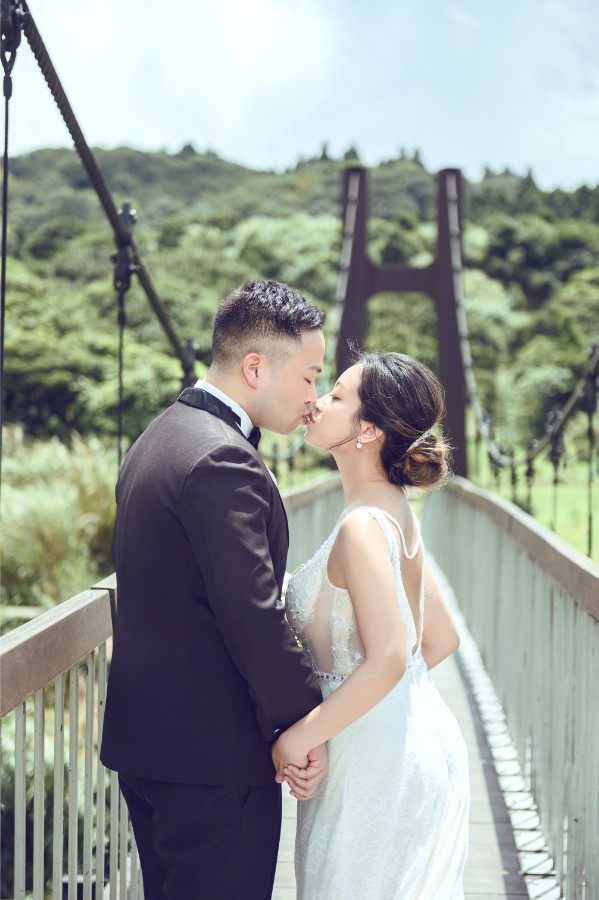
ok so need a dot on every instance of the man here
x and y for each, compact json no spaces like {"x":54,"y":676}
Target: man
{"x":205,"y":671}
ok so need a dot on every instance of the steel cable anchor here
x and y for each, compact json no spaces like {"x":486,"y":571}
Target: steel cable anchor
{"x":124,"y":262}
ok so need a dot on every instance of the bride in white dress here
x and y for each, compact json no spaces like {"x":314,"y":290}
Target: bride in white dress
{"x":391,"y":820}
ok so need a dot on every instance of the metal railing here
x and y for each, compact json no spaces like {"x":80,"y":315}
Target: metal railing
{"x":312,"y":511}
{"x":72,"y":834}
{"x":71,"y":831}
{"x":532,"y":605}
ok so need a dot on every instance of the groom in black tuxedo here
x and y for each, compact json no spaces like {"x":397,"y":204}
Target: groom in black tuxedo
{"x":205,"y":671}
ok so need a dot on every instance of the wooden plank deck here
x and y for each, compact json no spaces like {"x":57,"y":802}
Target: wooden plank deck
{"x":493,"y":868}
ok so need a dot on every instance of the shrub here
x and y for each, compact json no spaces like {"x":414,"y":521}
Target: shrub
{"x":57,"y":517}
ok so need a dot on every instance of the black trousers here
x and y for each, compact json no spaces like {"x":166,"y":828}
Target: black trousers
{"x":199,"y":842}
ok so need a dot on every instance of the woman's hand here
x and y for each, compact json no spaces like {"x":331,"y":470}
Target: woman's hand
{"x":303,"y":777}
{"x":305,"y":783}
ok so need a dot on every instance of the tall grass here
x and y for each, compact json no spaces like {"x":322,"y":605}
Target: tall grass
{"x":563,"y":508}
{"x":57,"y":517}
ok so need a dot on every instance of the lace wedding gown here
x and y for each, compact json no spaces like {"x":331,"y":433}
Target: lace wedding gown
{"x":391,"y":820}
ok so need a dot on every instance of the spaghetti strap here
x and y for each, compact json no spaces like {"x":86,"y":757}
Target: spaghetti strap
{"x":409,"y":616}
{"x":416,"y":546}
{"x":408,"y":555}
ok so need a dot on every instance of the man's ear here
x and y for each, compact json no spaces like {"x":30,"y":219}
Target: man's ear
{"x":252,"y":364}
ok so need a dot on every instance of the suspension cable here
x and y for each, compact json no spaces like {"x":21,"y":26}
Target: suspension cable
{"x":124,"y":267}
{"x":101,"y":188}
{"x":11,"y":38}
{"x":127,"y":258}
{"x":590,"y":404}
{"x":482,"y":420}
{"x":584,"y":393}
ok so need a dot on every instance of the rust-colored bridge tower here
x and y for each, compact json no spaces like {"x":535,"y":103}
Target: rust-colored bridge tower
{"x":442,"y":281}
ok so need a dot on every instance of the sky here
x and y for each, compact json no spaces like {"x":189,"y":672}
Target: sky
{"x":470,"y":83}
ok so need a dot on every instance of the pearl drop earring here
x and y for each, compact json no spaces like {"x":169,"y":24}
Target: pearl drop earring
{"x":359,"y":443}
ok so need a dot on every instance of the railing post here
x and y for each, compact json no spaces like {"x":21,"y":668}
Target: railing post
{"x":20,"y":801}
{"x":58,"y":814}
{"x":88,"y":811}
{"x":39,"y":796}
{"x":73,"y":827}
{"x":100,"y":775}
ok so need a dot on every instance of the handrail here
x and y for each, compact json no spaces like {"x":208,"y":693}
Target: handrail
{"x":531,"y":603}
{"x":574,"y":571}
{"x":305,"y":495}
{"x":34,"y":654}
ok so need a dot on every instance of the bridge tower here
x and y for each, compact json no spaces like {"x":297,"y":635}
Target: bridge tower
{"x":441,"y":280}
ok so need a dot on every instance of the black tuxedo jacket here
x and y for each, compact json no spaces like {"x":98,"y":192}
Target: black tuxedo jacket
{"x":204,"y":667}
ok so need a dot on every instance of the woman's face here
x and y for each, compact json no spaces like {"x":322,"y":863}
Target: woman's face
{"x":333,"y":422}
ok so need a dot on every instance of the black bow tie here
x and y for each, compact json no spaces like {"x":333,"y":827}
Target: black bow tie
{"x":254,"y":436}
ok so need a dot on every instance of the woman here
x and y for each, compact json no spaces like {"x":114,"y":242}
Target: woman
{"x":391,"y":821}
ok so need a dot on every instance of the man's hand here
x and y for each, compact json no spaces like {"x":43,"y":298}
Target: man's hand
{"x":305,"y":782}
{"x":286,"y":751}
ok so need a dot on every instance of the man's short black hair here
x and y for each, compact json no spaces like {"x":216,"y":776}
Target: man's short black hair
{"x":255,"y":315}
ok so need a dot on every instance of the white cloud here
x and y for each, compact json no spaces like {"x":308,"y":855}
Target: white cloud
{"x":462,"y":17}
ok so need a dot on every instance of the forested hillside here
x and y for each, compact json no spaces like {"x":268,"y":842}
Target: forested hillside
{"x":205,"y":225}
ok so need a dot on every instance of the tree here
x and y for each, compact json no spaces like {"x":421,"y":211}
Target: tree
{"x":324,"y":156}
{"x":351,"y":154}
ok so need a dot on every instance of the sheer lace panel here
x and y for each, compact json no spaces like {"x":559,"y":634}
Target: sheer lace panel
{"x":322,"y":615}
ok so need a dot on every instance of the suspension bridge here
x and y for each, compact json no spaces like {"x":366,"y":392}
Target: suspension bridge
{"x":524,"y":684}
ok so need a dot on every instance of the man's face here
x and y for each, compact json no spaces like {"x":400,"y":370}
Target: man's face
{"x":291,"y":385}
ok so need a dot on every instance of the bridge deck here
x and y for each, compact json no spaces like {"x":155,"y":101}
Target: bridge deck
{"x":493,"y":868}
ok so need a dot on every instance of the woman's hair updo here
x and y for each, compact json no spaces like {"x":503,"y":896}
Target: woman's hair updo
{"x":402,"y":397}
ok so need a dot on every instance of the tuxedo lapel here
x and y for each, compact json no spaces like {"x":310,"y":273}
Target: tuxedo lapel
{"x":284,"y":510}
{"x":200,"y":399}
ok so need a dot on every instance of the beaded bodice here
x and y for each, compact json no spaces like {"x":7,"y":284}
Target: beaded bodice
{"x":322,"y":616}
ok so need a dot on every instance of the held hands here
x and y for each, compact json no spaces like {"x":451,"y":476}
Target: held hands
{"x":303,"y":771}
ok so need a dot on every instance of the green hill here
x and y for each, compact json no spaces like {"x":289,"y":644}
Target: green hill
{"x":206,"y":224}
